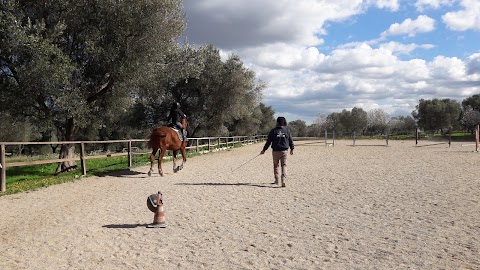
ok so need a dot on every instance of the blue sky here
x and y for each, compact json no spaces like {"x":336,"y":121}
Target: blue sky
{"x":323,"y":56}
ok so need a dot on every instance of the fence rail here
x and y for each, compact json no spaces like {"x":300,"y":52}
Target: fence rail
{"x":196,"y":144}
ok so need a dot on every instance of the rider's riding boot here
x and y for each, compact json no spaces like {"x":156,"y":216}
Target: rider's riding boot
{"x":184,"y":133}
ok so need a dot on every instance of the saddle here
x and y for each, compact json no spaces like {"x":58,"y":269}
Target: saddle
{"x":178,"y":131}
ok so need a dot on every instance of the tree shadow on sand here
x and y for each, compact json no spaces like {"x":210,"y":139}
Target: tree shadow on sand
{"x":268,"y":185}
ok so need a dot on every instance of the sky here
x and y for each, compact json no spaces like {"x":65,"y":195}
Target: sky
{"x":323,"y":56}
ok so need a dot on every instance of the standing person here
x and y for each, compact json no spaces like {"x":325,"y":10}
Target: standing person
{"x":176,"y":115}
{"x":280,"y":139}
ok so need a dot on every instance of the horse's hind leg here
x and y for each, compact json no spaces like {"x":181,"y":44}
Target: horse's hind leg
{"x":163,"y":150}
{"x":175,"y":169}
{"x":184,"y":154}
{"x":152,"y":158}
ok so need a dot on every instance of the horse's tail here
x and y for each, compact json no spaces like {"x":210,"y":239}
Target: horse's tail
{"x":154,"y":138}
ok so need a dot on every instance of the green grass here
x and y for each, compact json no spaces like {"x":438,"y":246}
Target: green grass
{"x":28,"y":178}
{"x":456,"y":136}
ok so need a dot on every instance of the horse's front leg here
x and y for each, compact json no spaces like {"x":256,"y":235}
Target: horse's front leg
{"x":152,"y":158}
{"x":160,"y":159}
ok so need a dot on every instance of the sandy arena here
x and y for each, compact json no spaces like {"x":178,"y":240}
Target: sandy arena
{"x":364,"y":207}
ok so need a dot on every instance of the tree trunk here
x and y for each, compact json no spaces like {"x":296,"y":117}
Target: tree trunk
{"x":54,"y":148}
{"x":67,"y":150}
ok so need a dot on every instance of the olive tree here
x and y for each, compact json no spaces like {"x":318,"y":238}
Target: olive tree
{"x":72,"y":64}
{"x":377,"y":120}
{"x":437,"y":114}
{"x":354,"y":120}
{"x":470,"y":118}
{"x":217,"y":95}
{"x":298,"y":128}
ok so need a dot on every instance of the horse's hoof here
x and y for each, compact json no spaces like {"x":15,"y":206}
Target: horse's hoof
{"x":149,"y":173}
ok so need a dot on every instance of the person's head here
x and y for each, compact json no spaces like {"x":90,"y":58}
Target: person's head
{"x":175,"y":105}
{"x":281,"y":121}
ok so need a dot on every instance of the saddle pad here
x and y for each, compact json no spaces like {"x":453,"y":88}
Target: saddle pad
{"x":179,"y":134}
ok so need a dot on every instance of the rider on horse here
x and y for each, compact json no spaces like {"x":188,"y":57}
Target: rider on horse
{"x":176,"y":115}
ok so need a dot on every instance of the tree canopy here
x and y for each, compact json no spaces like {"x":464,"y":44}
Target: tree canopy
{"x":377,"y":120}
{"x":298,"y":128}
{"x":473,"y":102}
{"x":76,"y":64}
{"x":219,"y":97}
{"x":437,"y":114}
{"x":110,"y":69}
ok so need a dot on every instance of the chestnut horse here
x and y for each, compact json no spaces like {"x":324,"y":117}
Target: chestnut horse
{"x":165,"y":138}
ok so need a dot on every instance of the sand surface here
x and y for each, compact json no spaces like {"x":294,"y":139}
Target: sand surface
{"x":344,"y":207}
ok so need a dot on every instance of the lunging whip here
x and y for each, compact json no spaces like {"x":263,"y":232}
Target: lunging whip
{"x":245,"y":163}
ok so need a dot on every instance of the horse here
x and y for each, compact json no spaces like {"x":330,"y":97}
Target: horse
{"x":166,"y":138}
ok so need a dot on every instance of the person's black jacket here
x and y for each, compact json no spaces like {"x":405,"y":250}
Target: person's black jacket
{"x":280,"y":139}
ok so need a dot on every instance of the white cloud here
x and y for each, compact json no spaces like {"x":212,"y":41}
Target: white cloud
{"x":473,"y":64}
{"x":358,"y":74}
{"x":392,"y":5}
{"x":446,"y":68}
{"x":250,"y":23}
{"x":281,"y":55}
{"x":277,"y":40}
{"x":411,"y":27}
{"x":465,"y":19}
{"x":356,"y":56}
{"x":414,"y":72}
{"x":399,"y":48}
{"x":421,"y":5}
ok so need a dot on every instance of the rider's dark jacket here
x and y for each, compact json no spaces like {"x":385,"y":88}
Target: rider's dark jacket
{"x":176,"y":116}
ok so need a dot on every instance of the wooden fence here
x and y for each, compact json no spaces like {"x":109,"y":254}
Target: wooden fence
{"x":205,"y":144}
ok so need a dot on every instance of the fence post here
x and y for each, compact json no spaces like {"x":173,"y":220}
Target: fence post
{"x":416,"y":136}
{"x":326,"y":137}
{"x":333,"y":142}
{"x":209,"y":144}
{"x":354,"y":138}
{"x":477,"y":135}
{"x":450,"y":139}
{"x":387,"y":136}
{"x":3,"y":169}
{"x":82,"y":159}
{"x":130,"y":154}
